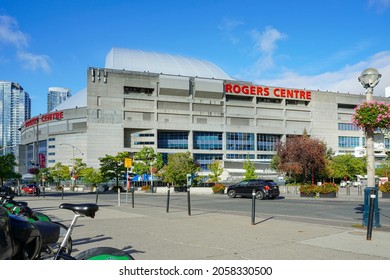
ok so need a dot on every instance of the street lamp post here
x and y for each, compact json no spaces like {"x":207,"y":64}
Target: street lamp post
{"x":73,"y":154}
{"x":369,"y":78}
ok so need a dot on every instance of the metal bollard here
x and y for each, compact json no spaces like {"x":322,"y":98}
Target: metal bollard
{"x":253,"y":206}
{"x":189,"y":201}
{"x":127,"y":195}
{"x":371,"y":214}
{"x":97,"y":194}
{"x":348,"y":189}
{"x":62,"y":193}
{"x":132,"y":197}
{"x":168,"y":197}
{"x":119,"y":196}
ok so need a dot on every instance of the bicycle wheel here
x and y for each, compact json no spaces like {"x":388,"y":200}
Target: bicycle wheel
{"x":104,"y":253}
{"x":50,"y":249}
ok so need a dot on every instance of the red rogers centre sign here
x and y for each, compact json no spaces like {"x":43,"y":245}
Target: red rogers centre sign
{"x":45,"y":118}
{"x":268,"y":91}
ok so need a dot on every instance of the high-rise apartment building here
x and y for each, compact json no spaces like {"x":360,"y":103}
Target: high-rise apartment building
{"x":56,"y":96}
{"x":15,"y":109}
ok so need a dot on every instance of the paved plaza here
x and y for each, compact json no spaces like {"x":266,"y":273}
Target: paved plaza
{"x":150,"y":233}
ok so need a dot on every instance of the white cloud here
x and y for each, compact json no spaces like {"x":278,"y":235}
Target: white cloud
{"x":380,"y":5}
{"x":10,"y":34}
{"x":265,"y":45}
{"x":265,"y":42}
{"x":228,"y":26}
{"x":343,"y":80}
{"x":34,"y":61}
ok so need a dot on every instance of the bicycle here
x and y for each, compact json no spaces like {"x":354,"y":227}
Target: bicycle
{"x":53,"y":233}
{"x":23,"y":240}
{"x":99,"y":253}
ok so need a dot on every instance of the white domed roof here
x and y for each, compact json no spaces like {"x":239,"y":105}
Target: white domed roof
{"x":77,"y":100}
{"x":137,"y":60}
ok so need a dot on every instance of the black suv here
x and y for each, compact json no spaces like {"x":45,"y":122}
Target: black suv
{"x":263,"y":188}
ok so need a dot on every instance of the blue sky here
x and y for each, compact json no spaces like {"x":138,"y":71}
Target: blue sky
{"x":323,"y":44}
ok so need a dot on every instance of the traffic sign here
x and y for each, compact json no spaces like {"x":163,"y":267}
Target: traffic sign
{"x":128,"y":162}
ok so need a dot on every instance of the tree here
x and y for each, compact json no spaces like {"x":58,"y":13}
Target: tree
{"x":44,"y":174}
{"x":250,"y":169}
{"x":113,"y":167}
{"x":147,"y":159}
{"x":302,"y":156}
{"x":159,"y":162}
{"x":7,"y":165}
{"x":92,"y":176}
{"x":179,"y":165}
{"x":216,"y":171}
{"x":75,"y":168}
{"x":347,"y":166}
{"x":275,"y":161}
{"x":78,"y":167}
{"x":327,"y":171}
{"x":59,"y":172}
{"x":384,"y":169}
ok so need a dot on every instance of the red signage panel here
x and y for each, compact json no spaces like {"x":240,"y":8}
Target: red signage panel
{"x":45,"y":118}
{"x":267,"y":91}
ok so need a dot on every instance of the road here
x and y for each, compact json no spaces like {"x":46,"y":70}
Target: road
{"x":320,"y":211}
{"x":289,"y":227}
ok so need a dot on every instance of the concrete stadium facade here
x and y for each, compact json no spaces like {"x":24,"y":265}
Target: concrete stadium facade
{"x":174,"y":105}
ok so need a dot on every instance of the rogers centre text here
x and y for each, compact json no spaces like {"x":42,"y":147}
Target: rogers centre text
{"x":267,"y":91}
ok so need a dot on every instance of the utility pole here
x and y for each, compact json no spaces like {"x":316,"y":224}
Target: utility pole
{"x":37,"y":155}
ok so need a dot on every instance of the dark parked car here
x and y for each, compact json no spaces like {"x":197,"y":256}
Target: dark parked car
{"x":103,"y":188}
{"x":263,"y":189}
{"x":6,"y":190}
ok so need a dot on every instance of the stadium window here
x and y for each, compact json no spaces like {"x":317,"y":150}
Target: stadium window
{"x":267,"y":142}
{"x":348,"y":127}
{"x":207,"y":140}
{"x":348,"y":142}
{"x":269,"y":100}
{"x":240,"y":141}
{"x":138,"y":90}
{"x":172,"y":140}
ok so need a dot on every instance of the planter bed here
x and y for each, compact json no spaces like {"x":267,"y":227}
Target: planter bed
{"x":328,"y":195}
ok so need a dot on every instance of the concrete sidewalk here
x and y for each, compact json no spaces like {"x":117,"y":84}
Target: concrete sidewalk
{"x":149,"y":233}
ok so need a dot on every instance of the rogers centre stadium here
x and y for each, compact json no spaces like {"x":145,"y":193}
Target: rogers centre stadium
{"x":178,"y":104}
